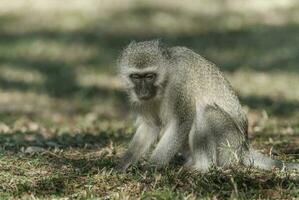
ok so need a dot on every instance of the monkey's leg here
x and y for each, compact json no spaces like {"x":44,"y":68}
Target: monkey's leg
{"x":215,"y":139}
{"x":144,"y":137}
{"x":201,"y":141}
{"x":170,"y":143}
{"x":186,"y":154}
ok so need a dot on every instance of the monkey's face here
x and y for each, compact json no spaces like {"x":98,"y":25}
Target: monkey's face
{"x":144,"y":85}
{"x":143,"y":68}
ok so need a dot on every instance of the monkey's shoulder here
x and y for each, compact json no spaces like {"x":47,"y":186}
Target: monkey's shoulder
{"x":192,"y":61}
{"x":186,"y":53}
{"x":179,"y":52}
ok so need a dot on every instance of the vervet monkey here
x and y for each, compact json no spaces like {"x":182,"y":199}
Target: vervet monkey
{"x":184,"y":102}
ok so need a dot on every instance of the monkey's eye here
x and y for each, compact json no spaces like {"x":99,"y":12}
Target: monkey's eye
{"x":150,"y":76}
{"x":134,"y":77}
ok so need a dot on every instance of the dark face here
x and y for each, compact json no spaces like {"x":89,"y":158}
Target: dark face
{"x":144,"y":85}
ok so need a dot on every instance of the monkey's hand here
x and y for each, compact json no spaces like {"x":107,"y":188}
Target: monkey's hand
{"x":156,"y":162}
{"x":120,"y":168}
{"x":170,"y":143}
{"x":123,"y":165}
{"x":144,"y":137}
{"x":126,"y":160}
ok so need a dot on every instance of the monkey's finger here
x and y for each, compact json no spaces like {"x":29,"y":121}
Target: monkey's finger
{"x":122,"y":167}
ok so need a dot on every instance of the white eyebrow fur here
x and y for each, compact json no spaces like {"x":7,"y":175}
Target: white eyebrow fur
{"x":144,"y":70}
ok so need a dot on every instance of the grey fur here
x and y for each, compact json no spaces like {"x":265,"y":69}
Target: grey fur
{"x":195,"y":112}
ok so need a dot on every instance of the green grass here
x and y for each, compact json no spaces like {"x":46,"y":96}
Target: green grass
{"x":65,"y":120}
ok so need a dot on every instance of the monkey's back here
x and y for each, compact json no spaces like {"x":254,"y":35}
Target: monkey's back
{"x":202,"y":82}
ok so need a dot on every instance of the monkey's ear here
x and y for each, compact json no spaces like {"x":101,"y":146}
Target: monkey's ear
{"x":132,"y":43}
{"x":157,"y":42}
{"x":166,"y":53}
{"x":164,"y":49}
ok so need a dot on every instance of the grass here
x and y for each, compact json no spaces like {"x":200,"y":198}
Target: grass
{"x":64,"y":119}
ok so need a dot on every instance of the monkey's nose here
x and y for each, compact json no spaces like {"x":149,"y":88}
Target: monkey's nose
{"x":144,"y":96}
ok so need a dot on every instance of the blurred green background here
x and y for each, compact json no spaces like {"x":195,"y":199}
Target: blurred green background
{"x":59,"y":57}
{"x":59,"y":89}
{"x":54,"y":54}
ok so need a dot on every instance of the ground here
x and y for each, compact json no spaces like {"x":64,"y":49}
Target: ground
{"x":65,"y":120}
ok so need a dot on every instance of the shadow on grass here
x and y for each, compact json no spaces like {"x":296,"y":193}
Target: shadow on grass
{"x":60,"y":78}
{"x":275,"y":107}
{"x":263,"y":48}
{"x":17,"y":141}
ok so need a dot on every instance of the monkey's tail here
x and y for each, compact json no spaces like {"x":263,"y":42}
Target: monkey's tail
{"x":262,"y":161}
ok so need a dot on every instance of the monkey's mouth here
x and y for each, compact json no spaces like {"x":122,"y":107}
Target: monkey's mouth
{"x":145,"y":97}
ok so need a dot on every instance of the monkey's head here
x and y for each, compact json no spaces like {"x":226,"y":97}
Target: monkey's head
{"x":143,"y":67}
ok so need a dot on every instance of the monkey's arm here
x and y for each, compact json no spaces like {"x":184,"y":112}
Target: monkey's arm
{"x":144,"y":137}
{"x":171,"y":141}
